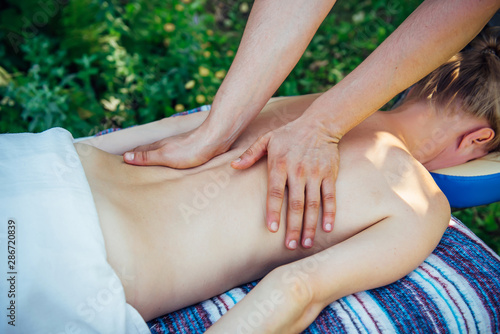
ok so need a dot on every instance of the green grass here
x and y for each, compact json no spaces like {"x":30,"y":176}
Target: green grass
{"x":484,"y":221}
{"x":95,"y":64}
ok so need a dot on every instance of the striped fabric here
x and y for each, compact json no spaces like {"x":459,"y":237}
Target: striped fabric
{"x":455,"y":290}
{"x":192,"y":111}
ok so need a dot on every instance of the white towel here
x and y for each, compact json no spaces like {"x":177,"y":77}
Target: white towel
{"x":54,"y":273}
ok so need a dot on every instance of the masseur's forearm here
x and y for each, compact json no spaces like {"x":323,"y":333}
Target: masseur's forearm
{"x":433,"y":33}
{"x":276,"y":35}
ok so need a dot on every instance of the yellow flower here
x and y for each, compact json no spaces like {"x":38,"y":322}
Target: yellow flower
{"x":204,"y":72}
{"x":206,"y":54}
{"x":190,"y":84}
{"x":179,"y":7}
{"x":200,"y":99}
{"x":169,"y":27}
{"x":230,"y":53}
{"x":110,"y":104}
{"x":244,"y":7}
{"x":210,"y":32}
{"x":220,"y":74}
{"x":179,"y":107}
{"x":186,"y":1}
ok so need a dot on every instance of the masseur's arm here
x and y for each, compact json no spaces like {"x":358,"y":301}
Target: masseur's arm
{"x":290,"y":298}
{"x":275,"y":37}
{"x":303,"y":154}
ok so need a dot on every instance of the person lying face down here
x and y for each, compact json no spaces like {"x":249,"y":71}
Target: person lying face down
{"x":187,"y":235}
{"x":177,"y":237}
{"x":466,"y":87}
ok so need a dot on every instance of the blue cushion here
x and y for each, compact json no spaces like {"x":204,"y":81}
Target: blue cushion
{"x":473,"y":183}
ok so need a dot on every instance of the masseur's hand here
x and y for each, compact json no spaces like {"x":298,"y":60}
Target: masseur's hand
{"x":304,"y":157}
{"x":185,"y":150}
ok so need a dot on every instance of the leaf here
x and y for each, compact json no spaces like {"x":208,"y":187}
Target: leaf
{"x":5,"y":77}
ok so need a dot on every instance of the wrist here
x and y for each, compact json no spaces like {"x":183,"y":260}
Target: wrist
{"x":322,"y":119}
{"x":225,"y":127}
{"x":218,"y":136}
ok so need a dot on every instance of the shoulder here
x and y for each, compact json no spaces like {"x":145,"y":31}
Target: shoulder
{"x":387,"y":168}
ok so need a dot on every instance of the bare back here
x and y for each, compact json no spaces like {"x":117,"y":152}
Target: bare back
{"x":176,"y":237}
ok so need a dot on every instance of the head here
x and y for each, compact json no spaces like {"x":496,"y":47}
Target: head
{"x":467,"y":87}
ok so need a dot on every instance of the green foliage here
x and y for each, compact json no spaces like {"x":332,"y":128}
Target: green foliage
{"x":91,"y":64}
{"x":484,"y":221}
{"x":88,"y":65}
{"x":94,"y":64}
{"x":351,"y":31}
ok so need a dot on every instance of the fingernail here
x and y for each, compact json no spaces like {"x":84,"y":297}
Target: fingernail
{"x":237,"y":160}
{"x":292,"y":244}
{"x":308,"y":242}
{"x":274,"y":226}
{"x":328,"y":227}
{"x":129,"y":156}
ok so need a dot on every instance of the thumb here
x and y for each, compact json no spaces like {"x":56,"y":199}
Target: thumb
{"x":252,"y":154}
{"x":145,"y":158}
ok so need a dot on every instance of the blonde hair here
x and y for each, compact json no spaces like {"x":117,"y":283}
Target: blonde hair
{"x":470,"y":80}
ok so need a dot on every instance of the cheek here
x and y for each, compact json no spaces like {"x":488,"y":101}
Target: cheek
{"x":446,"y":159}
{"x":450,"y":159}
{"x":478,"y":154}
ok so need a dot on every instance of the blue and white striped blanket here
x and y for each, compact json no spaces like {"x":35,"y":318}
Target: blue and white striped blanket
{"x":455,"y":290}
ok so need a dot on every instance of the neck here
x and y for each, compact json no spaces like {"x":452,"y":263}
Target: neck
{"x":424,"y":133}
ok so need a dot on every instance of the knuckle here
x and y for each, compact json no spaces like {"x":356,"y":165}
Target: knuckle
{"x":300,"y":170}
{"x":329,"y":196}
{"x":144,"y":156}
{"x":310,"y":231}
{"x":273,"y":212}
{"x":249,"y":151}
{"x":315,"y":172}
{"x":276,"y":193}
{"x":329,"y":214}
{"x":312,"y":204}
{"x":279,"y":165}
{"x":293,"y":231}
{"x":297,"y":206}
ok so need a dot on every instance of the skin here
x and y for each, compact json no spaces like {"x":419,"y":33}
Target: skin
{"x":303,"y":155}
{"x":198,"y":232}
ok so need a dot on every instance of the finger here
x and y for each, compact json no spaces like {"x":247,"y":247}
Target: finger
{"x":275,"y":194}
{"x":148,"y":147}
{"x":329,"y":202}
{"x":252,"y":154}
{"x":295,"y":212}
{"x":312,"y":204}
{"x":144,"y":158}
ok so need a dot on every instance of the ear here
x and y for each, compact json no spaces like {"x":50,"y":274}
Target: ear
{"x":476,"y":139}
